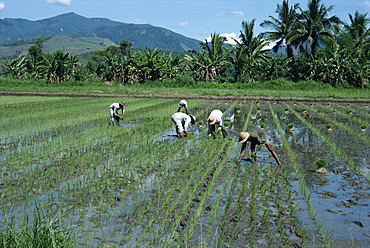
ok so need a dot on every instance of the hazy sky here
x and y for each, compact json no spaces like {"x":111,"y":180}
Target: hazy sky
{"x":193,"y":18}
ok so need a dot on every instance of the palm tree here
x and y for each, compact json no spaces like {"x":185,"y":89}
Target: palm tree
{"x":214,"y":49}
{"x":249,"y":53}
{"x":314,"y":28}
{"x":211,"y":60}
{"x":283,"y":26}
{"x":358,"y":31}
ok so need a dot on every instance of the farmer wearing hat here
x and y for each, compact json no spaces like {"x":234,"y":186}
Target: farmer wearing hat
{"x":215,"y":117}
{"x":183,"y":104}
{"x":113,"y":112}
{"x":182,"y":121}
{"x":256,"y":137}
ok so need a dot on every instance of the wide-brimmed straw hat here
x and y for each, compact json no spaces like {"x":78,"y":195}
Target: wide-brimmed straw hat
{"x":212,"y":120}
{"x":243,"y":136}
{"x":122,"y":102}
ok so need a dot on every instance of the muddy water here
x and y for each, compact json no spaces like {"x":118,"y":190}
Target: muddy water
{"x":340,"y":198}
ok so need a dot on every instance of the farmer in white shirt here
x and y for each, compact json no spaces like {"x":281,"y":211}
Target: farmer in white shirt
{"x":215,"y":117}
{"x":113,"y":112}
{"x":183,"y":104}
{"x":182,"y":121}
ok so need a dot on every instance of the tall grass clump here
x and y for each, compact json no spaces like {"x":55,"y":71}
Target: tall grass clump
{"x":38,"y":232}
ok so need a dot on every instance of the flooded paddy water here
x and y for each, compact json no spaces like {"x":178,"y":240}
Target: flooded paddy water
{"x":137,"y":185}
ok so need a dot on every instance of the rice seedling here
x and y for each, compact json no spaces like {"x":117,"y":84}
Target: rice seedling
{"x":321,"y":163}
{"x":137,"y":185}
{"x":332,"y":144}
{"x":328,"y":126}
{"x":363,"y":128}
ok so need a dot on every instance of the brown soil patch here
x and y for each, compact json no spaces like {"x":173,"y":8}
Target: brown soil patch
{"x":210,"y":97}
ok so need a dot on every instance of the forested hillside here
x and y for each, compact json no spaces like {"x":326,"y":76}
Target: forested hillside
{"x":16,"y":33}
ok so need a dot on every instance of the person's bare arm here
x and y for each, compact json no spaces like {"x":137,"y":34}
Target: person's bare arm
{"x":273,"y":153}
{"x":242,"y":150}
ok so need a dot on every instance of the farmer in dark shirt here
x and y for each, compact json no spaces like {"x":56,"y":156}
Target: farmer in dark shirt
{"x":256,"y":137}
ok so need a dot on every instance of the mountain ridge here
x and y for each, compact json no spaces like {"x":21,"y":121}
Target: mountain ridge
{"x":77,"y":26}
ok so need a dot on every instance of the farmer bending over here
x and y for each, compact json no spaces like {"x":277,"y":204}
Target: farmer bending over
{"x":113,"y":112}
{"x":215,"y":118}
{"x":256,"y":137}
{"x":182,"y":121}
{"x":183,"y":104}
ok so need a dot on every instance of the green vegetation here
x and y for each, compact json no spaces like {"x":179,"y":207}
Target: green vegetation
{"x":75,"y":46}
{"x":318,"y":48}
{"x":137,"y":185}
{"x":320,"y":163}
{"x":38,"y":230}
{"x":328,"y":126}
{"x":291,"y":126}
{"x":262,"y":89}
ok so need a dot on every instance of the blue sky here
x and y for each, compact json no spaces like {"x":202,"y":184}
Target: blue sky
{"x":193,"y":18}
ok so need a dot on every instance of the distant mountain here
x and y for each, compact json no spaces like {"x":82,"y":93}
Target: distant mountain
{"x":144,"y":35}
{"x":68,"y":24}
{"x":76,"y":26}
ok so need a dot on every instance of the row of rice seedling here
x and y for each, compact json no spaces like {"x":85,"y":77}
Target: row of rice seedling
{"x":140,"y":205}
{"x":137,"y":185}
{"x":301,"y":177}
{"x":315,"y":121}
{"x":173,"y":203}
{"x":53,"y":152}
{"x":80,"y":148}
{"x":342,"y":153}
{"x":151,"y":129}
{"x":348,"y":123}
{"x":235,"y":215}
{"x":46,"y":123}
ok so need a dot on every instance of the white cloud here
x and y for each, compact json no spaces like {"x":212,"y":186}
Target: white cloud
{"x":137,"y":21}
{"x":2,"y":6}
{"x":60,"y":2}
{"x":186,"y":25}
{"x":229,"y":38}
{"x":231,"y":14}
{"x":270,"y":45}
{"x":366,"y":4}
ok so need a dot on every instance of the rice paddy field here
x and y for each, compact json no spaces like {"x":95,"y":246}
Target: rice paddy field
{"x":137,"y":185}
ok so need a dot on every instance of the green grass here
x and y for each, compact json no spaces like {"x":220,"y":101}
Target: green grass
{"x":258,"y":90}
{"x":37,"y":230}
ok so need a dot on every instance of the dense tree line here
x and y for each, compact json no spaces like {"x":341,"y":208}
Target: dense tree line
{"x":316,"y":46}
